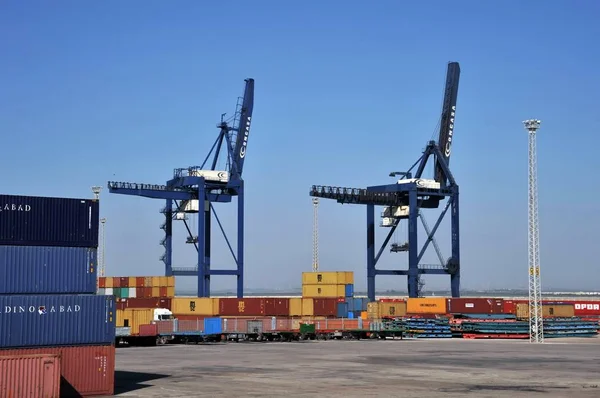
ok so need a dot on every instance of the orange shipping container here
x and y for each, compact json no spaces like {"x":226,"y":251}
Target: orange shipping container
{"x":139,"y":281}
{"x":116,"y":281}
{"x":31,"y":376}
{"x":108,"y":282}
{"x":102,"y":282}
{"x":426,"y":305}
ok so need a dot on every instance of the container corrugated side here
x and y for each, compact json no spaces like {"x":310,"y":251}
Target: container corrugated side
{"x":251,"y":306}
{"x":195,"y":305}
{"x":134,"y":318}
{"x":46,"y":221}
{"x":85,"y":370}
{"x":325,"y":306}
{"x":138,"y":302}
{"x":426,"y":305}
{"x":47,"y":270}
{"x":47,"y":320}
{"x":327,"y":278}
{"x":295,"y":306}
{"x":31,"y":376}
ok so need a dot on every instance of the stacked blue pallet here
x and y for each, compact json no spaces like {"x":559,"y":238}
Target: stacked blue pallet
{"x":48,"y":251}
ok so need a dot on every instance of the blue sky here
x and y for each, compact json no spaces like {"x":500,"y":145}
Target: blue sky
{"x":345,"y":93}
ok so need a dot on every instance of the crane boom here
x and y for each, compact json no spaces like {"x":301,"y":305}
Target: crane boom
{"x":447,"y":123}
{"x":243,"y":128}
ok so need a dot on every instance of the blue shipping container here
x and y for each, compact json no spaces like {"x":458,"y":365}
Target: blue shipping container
{"x":342,"y":310}
{"x":212,"y":326}
{"x":44,"y":221}
{"x":349,"y":290}
{"x":357,"y":304}
{"x":350,"y":315}
{"x":56,"y":320}
{"x":47,"y":270}
{"x":350,"y":302}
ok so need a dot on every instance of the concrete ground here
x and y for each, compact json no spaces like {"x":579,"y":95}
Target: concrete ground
{"x":399,"y":368}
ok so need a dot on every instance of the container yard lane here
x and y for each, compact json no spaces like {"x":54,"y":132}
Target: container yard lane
{"x":406,"y":368}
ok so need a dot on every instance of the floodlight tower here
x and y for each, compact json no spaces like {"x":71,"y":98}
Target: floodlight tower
{"x":536,"y":324}
{"x":96,"y":190}
{"x":315,"y":234}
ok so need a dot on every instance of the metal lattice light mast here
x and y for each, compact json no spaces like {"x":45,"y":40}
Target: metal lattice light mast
{"x":315,"y":234}
{"x":536,"y":325}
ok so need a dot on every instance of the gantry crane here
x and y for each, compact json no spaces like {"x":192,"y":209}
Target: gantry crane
{"x":195,"y":189}
{"x":315,"y":266}
{"x":406,"y":199}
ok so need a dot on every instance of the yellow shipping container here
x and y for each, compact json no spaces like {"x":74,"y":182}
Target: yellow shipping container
{"x":195,"y":306}
{"x":132,"y":281}
{"x":163,"y":281}
{"x":548,"y":310}
{"x":296,"y":306}
{"x":170,"y":281}
{"x":328,"y":278}
{"x":392,"y":308}
{"x":323,"y":291}
{"x":155,"y":281}
{"x":308,"y":307}
{"x":155,"y":291}
{"x":170,"y":291}
{"x":373,"y":310}
{"x":148,"y":281}
{"x":108,"y":282}
{"x":134,"y":317}
{"x":426,"y":305}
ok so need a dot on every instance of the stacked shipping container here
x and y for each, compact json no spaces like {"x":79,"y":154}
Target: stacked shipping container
{"x":137,"y":286}
{"x":48,"y":305}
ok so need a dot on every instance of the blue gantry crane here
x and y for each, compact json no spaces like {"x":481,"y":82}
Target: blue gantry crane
{"x":406,"y":199}
{"x":195,"y":189}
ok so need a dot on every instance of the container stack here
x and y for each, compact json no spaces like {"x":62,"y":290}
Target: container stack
{"x":334,"y":284}
{"x":48,"y":305}
{"x":137,"y":286}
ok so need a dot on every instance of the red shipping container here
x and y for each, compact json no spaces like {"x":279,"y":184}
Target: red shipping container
{"x":391,"y":300}
{"x":85,"y":370}
{"x":510,"y":306}
{"x":325,"y":306}
{"x":153,"y":302}
{"x":475,"y":306}
{"x":116,"y":281}
{"x":139,"y":281}
{"x":252,"y":306}
{"x":143,"y":292}
{"x":32,"y":376}
{"x":102,"y":282}
{"x":148,"y":330}
{"x":277,"y":306}
{"x":124,"y":281}
{"x":162,"y":291}
{"x":583,"y":308}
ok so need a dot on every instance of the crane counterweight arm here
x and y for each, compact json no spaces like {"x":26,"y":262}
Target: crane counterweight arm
{"x":447,"y":122}
{"x":243,"y":128}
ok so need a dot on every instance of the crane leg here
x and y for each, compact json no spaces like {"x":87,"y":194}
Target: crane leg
{"x":240,"y":242}
{"x":371,"y":252}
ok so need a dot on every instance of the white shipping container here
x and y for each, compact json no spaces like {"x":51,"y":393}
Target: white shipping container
{"x":132,"y":292}
{"x":109,"y":291}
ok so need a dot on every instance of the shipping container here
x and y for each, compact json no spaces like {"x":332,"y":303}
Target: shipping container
{"x":350,"y":302}
{"x":360,"y":303}
{"x":139,"y":281}
{"x":349,"y":290}
{"x":102,"y":282}
{"x":155,"y":302}
{"x":475,"y":306}
{"x":308,"y":307}
{"x":47,"y":270}
{"x":584,"y":308}
{"x":277,"y":306}
{"x":46,"y":221}
{"x":148,"y":330}
{"x":185,"y":317}
{"x":162,"y":291}
{"x":328,"y":278}
{"x":155,"y":281}
{"x":40,"y":320}
{"x":251,"y":306}
{"x":295,"y":306}
{"x":85,"y":370}
{"x":148,"y":281}
{"x":426,"y":305}
{"x":342,"y":310}
{"x":171,"y":291}
{"x":31,"y":376}
{"x":108,"y":281}
{"x":325,"y":306}
{"x":125,"y":292}
{"x":548,"y":310}
{"x":324,"y":291}
{"x":116,"y":281}
{"x":155,"y":291}
{"x":109,"y":291}
{"x":124,"y":281}
{"x":195,"y":305}
{"x":134,"y":317}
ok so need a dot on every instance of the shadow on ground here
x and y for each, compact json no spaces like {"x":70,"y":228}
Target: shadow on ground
{"x":131,"y":381}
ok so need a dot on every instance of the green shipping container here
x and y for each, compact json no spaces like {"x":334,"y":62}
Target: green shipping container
{"x":306,"y":328}
{"x":124,"y":292}
{"x":117,"y":292}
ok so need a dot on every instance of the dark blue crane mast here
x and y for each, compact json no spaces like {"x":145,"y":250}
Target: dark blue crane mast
{"x":405,"y":200}
{"x":195,"y":189}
